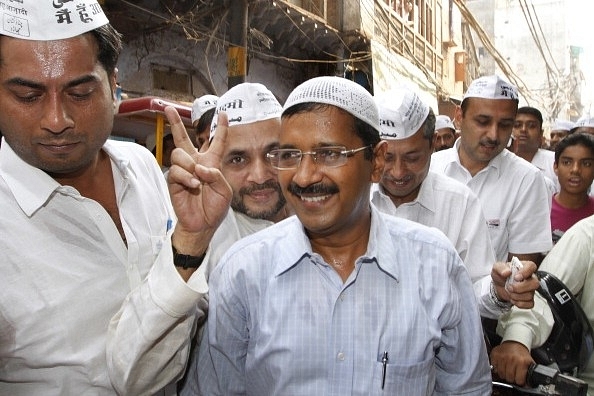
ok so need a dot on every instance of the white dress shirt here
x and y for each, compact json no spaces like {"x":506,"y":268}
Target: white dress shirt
{"x":82,"y":313}
{"x":514,"y":197}
{"x":455,"y":210}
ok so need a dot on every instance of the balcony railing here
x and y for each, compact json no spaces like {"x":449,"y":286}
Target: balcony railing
{"x":399,"y":36}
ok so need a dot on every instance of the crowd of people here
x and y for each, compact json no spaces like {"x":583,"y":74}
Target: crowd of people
{"x":338,"y":243}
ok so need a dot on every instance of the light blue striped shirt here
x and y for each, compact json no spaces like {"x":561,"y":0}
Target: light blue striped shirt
{"x":282,"y":322}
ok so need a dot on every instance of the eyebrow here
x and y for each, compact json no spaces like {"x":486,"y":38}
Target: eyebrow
{"x":35,"y":85}
{"x":319,"y":145}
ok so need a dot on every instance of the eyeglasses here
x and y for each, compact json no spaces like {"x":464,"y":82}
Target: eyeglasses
{"x":331,"y":156}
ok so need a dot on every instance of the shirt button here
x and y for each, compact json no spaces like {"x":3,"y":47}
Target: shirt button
{"x":340,"y":356}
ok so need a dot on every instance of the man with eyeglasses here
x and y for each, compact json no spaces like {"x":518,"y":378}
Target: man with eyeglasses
{"x":408,"y":189}
{"x":340,"y":299}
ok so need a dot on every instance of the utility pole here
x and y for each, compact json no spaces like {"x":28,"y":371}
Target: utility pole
{"x":237,"y":52}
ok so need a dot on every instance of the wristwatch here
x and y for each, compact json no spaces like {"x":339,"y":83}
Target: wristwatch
{"x":185,"y":260}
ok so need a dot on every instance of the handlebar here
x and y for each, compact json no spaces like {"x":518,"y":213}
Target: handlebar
{"x":553,"y":382}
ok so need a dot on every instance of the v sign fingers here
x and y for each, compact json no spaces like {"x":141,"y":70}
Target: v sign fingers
{"x":178,"y":130}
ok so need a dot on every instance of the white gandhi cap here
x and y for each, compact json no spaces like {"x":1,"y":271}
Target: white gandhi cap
{"x":402,"y":113}
{"x":46,"y":20}
{"x":246,"y":103}
{"x":585,"y":121}
{"x":443,"y":121}
{"x":491,"y":87}
{"x":562,"y":125}
{"x":202,"y":104}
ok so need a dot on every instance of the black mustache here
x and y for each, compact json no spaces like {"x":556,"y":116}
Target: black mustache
{"x":312,"y":189}
{"x":271,"y":184}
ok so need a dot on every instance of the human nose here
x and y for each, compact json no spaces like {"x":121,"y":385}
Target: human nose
{"x":492,"y":132}
{"x":397,"y":168}
{"x":55,"y":115}
{"x":261,"y":171}
{"x":307,"y":171}
{"x":575,"y":168}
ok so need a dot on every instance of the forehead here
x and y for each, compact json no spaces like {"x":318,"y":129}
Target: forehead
{"x":577,"y":151}
{"x":415,"y":142}
{"x":330,"y":125}
{"x":526,"y":117}
{"x":497,"y":108}
{"x":254,"y":136}
{"x":48,"y":59}
{"x":559,"y":132}
{"x":444,"y":131}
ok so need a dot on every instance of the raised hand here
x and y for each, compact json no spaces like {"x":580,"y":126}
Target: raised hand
{"x":199,"y":193}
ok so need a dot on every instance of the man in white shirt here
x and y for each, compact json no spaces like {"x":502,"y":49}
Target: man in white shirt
{"x":528,"y":136}
{"x":410,"y":190}
{"x":512,"y":192}
{"x":340,"y":299}
{"x":100,"y":287}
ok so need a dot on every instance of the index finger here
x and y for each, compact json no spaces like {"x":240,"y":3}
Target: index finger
{"x":178,"y":130}
{"x":217,"y":143}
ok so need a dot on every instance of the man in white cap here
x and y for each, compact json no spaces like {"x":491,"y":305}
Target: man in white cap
{"x":408,"y":189}
{"x":258,"y":202}
{"x":445,"y":133}
{"x":100,"y":292}
{"x":559,"y":130}
{"x":203,"y":110}
{"x":341,"y":298}
{"x":513,"y":193}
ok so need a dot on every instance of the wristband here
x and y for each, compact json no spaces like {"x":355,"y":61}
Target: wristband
{"x":186,"y":261}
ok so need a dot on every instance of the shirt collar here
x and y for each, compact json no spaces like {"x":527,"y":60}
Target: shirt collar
{"x":494,"y":163}
{"x":32,"y":187}
{"x":380,"y":248}
{"x":425,"y":197}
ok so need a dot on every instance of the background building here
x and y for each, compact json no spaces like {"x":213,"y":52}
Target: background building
{"x":535,"y":50}
{"x":182,"y":49}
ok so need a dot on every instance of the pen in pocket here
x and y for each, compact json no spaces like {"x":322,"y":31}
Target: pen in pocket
{"x":384,"y":364}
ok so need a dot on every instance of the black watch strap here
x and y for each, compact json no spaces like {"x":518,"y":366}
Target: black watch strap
{"x":186,"y":261}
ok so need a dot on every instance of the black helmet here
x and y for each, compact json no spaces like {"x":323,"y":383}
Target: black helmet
{"x":571,"y":341}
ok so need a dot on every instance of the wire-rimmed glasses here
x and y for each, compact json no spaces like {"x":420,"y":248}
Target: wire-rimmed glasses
{"x":329,"y":156}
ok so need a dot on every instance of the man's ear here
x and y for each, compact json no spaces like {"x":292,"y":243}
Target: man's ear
{"x":379,"y":161}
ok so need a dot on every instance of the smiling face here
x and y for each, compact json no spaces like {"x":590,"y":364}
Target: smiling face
{"x":256,"y":191}
{"x":486,"y":127}
{"x":57,"y":102}
{"x":328,"y":201}
{"x":407,"y":164}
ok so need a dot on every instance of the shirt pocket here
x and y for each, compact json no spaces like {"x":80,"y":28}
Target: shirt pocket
{"x":411,"y":379}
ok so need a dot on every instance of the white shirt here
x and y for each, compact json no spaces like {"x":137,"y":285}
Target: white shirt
{"x":454,"y":209}
{"x":514,"y":198}
{"x":234,"y":226}
{"x":545,"y":160}
{"x":572,"y":261}
{"x":80,"y":312}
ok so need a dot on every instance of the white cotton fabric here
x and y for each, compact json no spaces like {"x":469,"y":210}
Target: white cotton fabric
{"x":46,"y":20}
